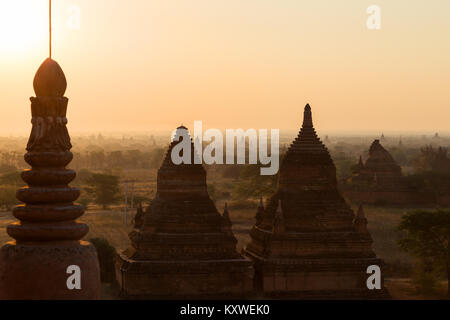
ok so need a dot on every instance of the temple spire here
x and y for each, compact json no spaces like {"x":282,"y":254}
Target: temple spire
{"x":307,"y":117}
{"x":306,"y":143}
{"x":278,"y":225}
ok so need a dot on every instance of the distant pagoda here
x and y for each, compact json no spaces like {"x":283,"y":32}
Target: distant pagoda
{"x":309,"y":243}
{"x":181,"y":247}
{"x":379,"y":171}
{"x":380,"y":181}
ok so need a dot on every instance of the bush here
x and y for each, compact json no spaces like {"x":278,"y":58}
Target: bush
{"x":253,"y":185}
{"x":106,"y":254}
{"x":12,"y":179}
{"x":8,"y":197}
{"x":104,"y":189}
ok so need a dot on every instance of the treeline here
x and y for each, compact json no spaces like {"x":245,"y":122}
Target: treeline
{"x":9,"y":183}
{"x":124,"y":159}
{"x":100,"y":189}
{"x":103,"y":189}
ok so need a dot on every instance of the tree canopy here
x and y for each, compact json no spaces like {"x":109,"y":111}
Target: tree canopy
{"x":428,"y":237}
{"x":104,"y":188}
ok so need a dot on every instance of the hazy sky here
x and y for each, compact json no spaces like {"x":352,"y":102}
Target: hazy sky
{"x":150,"y":65}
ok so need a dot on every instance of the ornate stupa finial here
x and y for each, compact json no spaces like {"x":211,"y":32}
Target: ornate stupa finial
{"x":50,"y":80}
{"x":360,"y":221}
{"x":47,"y":243}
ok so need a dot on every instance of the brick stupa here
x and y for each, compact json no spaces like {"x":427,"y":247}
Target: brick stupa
{"x":379,"y":181}
{"x":380,"y":170}
{"x":181,"y":247}
{"x":309,"y":243}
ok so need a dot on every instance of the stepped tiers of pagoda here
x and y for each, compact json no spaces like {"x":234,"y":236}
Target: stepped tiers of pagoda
{"x":47,"y":246}
{"x":307,"y":242}
{"x":379,"y":171}
{"x":181,"y":246}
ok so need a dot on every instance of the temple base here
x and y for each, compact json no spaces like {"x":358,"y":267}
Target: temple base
{"x":318,"y":279}
{"x":38,"y":271}
{"x":211,"y":279}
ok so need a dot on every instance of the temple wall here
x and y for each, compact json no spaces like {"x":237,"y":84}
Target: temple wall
{"x":324,"y":283}
{"x":311,"y":281}
{"x":143,"y":279}
{"x":444,"y":200}
{"x":343,"y":246}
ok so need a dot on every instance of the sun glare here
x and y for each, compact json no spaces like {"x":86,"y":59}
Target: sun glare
{"x":23,"y":24}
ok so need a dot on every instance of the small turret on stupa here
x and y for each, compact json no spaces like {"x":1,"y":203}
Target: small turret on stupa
{"x":360,"y":221}
{"x":259,"y":212}
{"x":359,"y":167}
{"x":226,"y":221}
{"x":278,"y":223}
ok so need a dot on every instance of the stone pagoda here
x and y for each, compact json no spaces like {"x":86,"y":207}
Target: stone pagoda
{"x":380,"y":169}
{"x":309,"y":243}
{"x":181,"y":247}
{"x":47,"y":250}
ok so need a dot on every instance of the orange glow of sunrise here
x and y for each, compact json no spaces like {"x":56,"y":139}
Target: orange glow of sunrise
{"x":23,"y":25}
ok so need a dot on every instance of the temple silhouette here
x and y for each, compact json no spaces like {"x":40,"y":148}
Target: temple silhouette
{"x":380,"y":168}
{"x":181,"y":247}
{"x":307,"y":242}
{"x":380,"y":181}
